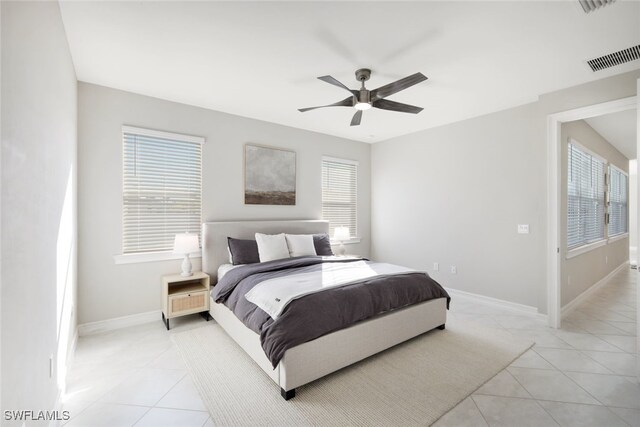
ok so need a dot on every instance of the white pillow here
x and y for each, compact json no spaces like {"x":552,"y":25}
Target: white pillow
{"x":272,"y":246}
{"x":300,"y":244}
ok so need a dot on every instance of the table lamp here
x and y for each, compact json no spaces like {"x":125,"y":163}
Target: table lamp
{"x":341,"y":234}
{"x":184,"y":244}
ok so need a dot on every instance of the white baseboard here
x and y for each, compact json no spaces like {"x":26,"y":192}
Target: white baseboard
{"x":507,"y":305}
{"x":118,"y":323}
{"x":568,"y":308}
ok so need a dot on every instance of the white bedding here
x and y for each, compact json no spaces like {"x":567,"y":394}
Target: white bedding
{"x":273,"y":295}
{"x":224,"y":269}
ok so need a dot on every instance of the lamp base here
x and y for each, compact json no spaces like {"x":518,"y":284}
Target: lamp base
{"x":341,"y":249}
{"x":186,"y":267}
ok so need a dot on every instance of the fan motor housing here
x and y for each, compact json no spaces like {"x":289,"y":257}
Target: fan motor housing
{"x":364,"y":96}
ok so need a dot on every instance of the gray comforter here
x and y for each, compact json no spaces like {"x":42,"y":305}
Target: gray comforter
{"x":318,"y":314}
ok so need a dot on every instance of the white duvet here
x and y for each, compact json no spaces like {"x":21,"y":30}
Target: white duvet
{"x":273,"y":295}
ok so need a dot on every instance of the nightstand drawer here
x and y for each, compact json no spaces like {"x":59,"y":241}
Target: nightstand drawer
{"x":188,"y":303}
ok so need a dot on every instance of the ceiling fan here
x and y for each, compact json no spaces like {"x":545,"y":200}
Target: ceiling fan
{"x":364,"y":99}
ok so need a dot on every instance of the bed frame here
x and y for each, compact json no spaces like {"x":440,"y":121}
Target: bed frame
{"x":329,"y":353}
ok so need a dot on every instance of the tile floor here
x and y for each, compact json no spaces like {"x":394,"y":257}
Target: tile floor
{"x":581,"y":375}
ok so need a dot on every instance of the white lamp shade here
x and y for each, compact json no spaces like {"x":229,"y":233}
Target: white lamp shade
{"x":186,"y":243}
{"x":341,"y":233}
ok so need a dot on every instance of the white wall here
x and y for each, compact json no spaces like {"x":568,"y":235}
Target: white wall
{"x":633,"y":211}
{"x":455,"y":194}
{"x":107,"y":290}
{"x":39,"y":123}
{"x":1,"y":406}
{"x":581,"y":272}
{"x":637,"y":236}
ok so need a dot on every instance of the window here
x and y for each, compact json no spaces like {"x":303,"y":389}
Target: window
{"x":339,"y":194}
{"x":585,"y":197}
{"x":618,"y":184}
{"x":162,"y":193}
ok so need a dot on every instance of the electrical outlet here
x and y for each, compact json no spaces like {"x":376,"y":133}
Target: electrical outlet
{"x":454,"y":269}
{"x":523,"y":228}
{"x":436,"y":266}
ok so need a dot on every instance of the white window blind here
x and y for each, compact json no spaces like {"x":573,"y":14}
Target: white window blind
{"x":162,"y":193}
{"x":586,"y":206}
{"x":339,"y":194}
{"x":618,"y":183}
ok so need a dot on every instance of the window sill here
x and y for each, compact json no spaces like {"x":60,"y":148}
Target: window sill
{"x":618,"y":237}
{"x":351,"y":241}
{"x":151,"y":257}
{"x":572,"y":253}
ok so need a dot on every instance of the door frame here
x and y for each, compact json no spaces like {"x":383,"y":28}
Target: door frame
{"x":554,"y":168}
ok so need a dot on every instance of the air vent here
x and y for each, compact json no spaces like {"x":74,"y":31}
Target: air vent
{"x":589,"y":5}
{"x":616,"y":58}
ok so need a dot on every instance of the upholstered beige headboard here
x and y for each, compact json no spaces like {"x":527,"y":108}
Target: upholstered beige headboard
{"x":214,"y":237}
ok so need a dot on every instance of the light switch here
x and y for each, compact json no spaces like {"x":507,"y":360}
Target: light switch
{"x":523,"y":228}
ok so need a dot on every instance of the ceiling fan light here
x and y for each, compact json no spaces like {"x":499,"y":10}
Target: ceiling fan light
{"x":362,"y":106}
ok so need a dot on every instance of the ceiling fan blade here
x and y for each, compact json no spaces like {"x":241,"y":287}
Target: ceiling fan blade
{"x":397,"y":86}
{"x":356,"y":118}
{"x":347,"y":102}
{"x":385,"y":104}
{"x":335,"y":82}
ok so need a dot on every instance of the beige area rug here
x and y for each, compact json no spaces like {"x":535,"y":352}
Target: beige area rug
{"x":413,"y":383}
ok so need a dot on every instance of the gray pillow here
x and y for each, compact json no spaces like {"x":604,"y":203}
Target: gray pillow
{"x":243,"y":251}
{"x":322,"y":244}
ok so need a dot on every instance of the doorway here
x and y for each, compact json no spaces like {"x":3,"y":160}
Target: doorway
{"x":555,"y":145}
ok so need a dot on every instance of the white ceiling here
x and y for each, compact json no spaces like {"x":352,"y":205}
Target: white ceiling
{"x":261,"y":59}
{"x":619,"y":129}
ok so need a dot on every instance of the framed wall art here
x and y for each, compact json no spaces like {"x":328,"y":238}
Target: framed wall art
{"x":269,"y":176}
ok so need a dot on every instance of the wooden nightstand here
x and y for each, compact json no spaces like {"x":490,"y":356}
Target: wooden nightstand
{"x":185,"y":295}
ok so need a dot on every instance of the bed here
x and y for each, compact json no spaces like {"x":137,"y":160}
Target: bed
{"x":311,"y":360}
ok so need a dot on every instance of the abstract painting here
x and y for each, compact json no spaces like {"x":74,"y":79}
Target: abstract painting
{"x":269,"y":176}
